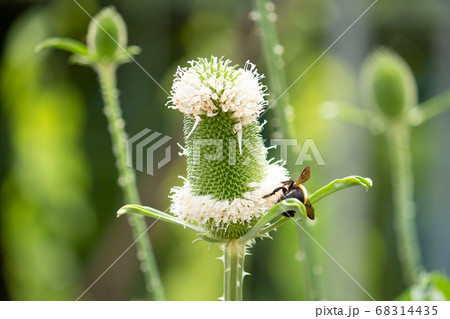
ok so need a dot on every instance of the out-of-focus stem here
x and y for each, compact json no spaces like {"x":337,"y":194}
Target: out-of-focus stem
{"x":127,"y":179}
{"x":265,"y":19}
{"x":398,"y":138}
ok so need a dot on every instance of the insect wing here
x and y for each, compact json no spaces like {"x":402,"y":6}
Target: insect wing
{"x":304,"y":177}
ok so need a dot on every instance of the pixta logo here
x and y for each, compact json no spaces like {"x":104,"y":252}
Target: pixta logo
{"x":213,"y":150}
{"x":144,"y":145}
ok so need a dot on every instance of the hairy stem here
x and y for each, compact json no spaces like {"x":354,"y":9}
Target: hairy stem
{"x":127,"y":179}
{"x":233,"y":259}
{"x":398,"y":138}
{"x":275,"y":66}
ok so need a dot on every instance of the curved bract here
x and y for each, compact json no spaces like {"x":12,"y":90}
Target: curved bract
{"x":290,"y":204}
{"x":339,"y":184}
{"x":256,"y":231}
{"x":159,"y":215}
{"x":270,"y":221}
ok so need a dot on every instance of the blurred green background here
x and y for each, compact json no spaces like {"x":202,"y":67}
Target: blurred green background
{"x":58,"y":192}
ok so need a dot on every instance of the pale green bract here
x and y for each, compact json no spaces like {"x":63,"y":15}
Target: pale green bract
{"x":267,"y":223}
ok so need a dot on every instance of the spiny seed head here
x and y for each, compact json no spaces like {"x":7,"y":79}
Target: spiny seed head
{"x":215,"y":165}
{"x":107,"y":32}
{"x":388,"y":83}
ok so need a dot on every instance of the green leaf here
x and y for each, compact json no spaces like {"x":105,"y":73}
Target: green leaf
{"x":339,"y":184}
{"x":82,"y":60}
{"x":152,"y":212}
{"x":127,"y":56}
{"x":134,"y":50}
{"x":65,"y":44}
{"x":433,"y":286}
{"x":261,"y":226}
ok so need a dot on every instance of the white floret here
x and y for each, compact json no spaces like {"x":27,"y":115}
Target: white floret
{"x":201,"y":209}
{"x":212,"y":85}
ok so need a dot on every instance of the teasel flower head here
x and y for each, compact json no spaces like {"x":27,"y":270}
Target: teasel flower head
{"x":227,"y":170}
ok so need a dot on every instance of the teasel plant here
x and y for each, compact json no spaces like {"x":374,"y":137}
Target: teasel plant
{"x":389,"y":93}
{"x":106,"y":49}
{"x":232,"y":194}
{"x":225,"y":197}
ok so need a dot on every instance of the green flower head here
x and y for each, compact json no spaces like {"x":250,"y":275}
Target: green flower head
{"x":388,"y":83}
{"x":107,"y":34}
{"x":228,"y":173}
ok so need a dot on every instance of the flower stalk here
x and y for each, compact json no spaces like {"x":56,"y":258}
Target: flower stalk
{"x":390,"y":90}
{"x":398,"y":138}
{"x":233,"y":259}
{"x":108,"y":84}
{"x":127,"y":178}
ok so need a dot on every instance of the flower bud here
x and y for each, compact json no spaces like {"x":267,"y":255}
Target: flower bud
{"x":388,"y":83}
{"x":107,"y":32}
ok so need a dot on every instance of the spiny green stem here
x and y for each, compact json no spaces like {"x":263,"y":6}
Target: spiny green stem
{"x":310,"y":264}
{"x":275,"y":67}
{"x":127,"y":179}
{"x":233,"y":259}
{"x":398,"y":138}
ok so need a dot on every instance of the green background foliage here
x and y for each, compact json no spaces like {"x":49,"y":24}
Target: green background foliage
{"x":58,"y":193}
